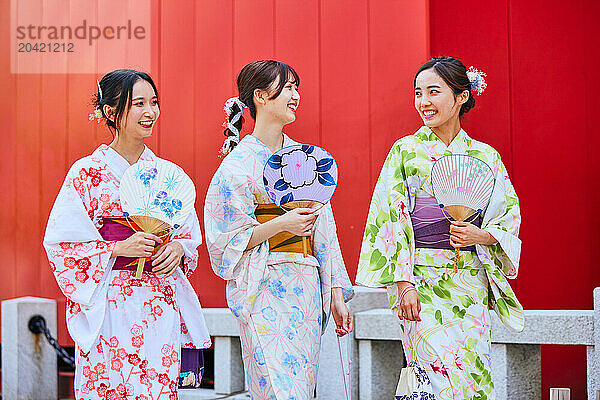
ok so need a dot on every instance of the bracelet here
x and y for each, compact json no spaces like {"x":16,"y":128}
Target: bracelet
{"x":404,"y":292}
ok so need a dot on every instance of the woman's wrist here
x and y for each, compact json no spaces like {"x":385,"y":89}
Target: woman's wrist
{"x":487,"y":238}
{"x":403,"y":284}
{"x":277,"y":225}
{"x":337,"y":294}
{"x":116,"y":251}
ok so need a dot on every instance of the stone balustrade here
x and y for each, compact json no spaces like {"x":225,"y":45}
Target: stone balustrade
{"x":378,"y":356}
{"x":375,"y":349}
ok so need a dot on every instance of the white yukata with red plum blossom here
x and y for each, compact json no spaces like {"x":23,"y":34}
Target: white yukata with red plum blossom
{"x":128,"y":332}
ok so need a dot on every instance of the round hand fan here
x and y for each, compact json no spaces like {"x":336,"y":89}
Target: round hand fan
{"x":300,"y":176}
{"x":157,"y":196}
{"x":462,"y":186}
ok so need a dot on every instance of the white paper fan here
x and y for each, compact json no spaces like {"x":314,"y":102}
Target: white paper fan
{"x":159,"y":189}
{"x":462,"y":186}
{"x":462,"y":180}
{"x":158,"y":196}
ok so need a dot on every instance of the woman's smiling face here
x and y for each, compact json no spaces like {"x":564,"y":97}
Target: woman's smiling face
{"x":283,"y":107}
{"x":144,"y":111}
{"x":434,"y":100}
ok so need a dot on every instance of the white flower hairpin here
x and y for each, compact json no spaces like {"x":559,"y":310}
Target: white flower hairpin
{"x":477,"y":79}
{"x":97,"y":114}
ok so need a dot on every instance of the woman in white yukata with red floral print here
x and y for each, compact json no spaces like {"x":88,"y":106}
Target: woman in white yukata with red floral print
{"x":128,"y":332}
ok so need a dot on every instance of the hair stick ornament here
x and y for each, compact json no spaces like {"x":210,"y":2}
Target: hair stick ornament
{"x":462,"y":186}
{"x":158,"y":196}
{"x":300,"y":176}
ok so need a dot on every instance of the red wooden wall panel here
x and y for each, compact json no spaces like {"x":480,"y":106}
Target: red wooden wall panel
{"x":344,"y":122}
{"x":540,"y":156}
{"x":297,"y":43}
{"x":214,"y":84}
{"x":356,"y":62}
{"x":539,"y":64}
{"x":8,"y":170}
{"x":398,"y":46}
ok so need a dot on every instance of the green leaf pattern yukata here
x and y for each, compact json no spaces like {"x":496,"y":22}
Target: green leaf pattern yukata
{"x":453,"y":340}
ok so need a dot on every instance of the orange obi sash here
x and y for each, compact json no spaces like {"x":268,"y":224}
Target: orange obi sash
{"x":283,"y":241}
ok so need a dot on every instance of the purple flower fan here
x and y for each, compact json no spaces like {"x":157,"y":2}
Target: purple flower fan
{"x":300,"y":173}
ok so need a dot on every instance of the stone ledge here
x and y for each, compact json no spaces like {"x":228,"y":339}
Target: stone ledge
{"x":572,"y":327}
{"x":220,"y":322}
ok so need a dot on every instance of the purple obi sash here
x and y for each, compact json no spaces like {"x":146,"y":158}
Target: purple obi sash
{"x":120,"y":229}
{"x":431,"y":227}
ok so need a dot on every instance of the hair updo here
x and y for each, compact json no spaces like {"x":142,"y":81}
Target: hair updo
{"x":115,"y":90}
{"x":257,"y":75}
{"x":454,"y":73}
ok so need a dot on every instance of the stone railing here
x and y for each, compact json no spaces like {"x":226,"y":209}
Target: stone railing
{"x":378,"y":357}
{"x":376,"y":350}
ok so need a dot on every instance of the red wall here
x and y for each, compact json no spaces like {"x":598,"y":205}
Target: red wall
{"x":356,"y":60}
{"x":541,"y":59}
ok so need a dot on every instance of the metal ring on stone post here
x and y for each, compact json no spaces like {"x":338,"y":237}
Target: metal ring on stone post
{"x":37,"y":325}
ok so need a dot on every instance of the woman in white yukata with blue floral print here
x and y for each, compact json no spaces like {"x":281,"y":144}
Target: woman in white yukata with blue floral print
{"x":280,"y":298}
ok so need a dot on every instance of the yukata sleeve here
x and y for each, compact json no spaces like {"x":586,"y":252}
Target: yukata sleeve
{"x":502,"y":220}
{"x":79,"y":257}
{"x":328,"y":253}
{"x":190,"y":237}
{"x":387,"y":250}
{"x":229,"y":221}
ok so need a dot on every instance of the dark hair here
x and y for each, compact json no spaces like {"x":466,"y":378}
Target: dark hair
{"x":454,"y":73}
{"x":116,"y":88}
{"x":259,"y":75}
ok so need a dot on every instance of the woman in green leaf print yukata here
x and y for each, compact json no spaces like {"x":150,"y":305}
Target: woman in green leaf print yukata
{"x":408,"y":245}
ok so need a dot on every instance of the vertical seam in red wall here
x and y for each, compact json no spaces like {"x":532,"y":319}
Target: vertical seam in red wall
{"x":40,"y":132}
{"x":319,"y":33}
{"x":274,"y":28}
{"x":233,"y":45}
{"x":510,"y":91}
{"x":428,"y":28}
{"x":159,"y":66}
{"x":194,"y":91}
{"x":369,"y":92}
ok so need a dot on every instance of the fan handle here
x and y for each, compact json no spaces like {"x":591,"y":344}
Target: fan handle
{"x":456,"y":260}
{"x":303,"y":204}
{"x":140,"y":268}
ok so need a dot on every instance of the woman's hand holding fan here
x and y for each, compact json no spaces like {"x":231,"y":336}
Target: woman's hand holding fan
{"x":299,"y":221}
{"x":167,"y":259}
{"x":140,"y":244}
{"x":301,"y":177}
{"x":465,"y":234}
{"x":462,"y":186}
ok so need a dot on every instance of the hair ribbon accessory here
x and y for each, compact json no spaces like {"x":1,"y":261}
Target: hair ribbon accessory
{"x":231,"y":120}
{"x":477,"y":79}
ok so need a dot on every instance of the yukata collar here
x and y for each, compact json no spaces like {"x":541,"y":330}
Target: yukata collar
{"x":253,"y":140}
{"x":116,"y":163}
{"x":459,"y":144}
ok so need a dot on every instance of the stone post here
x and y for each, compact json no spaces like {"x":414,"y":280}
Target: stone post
{"x":593,"y":358}
{"x":379,"y":368}
{"x":29,"y":368}
{"x":516,"y":371}
{"x":229,"y":369}
{"x":329,"y":381}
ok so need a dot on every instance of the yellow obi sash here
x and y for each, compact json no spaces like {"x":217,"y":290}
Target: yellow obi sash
{"x":283,"y":241}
